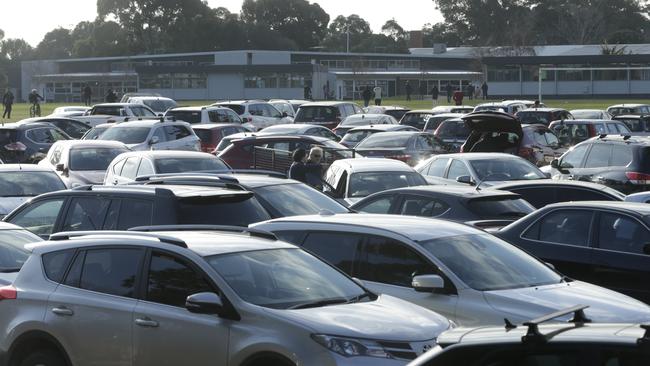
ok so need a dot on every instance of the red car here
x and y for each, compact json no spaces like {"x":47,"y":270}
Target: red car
{"x":212,"y":133}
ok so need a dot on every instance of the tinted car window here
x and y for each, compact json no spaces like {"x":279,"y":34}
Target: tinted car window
{"x":45,"y":135}
{"x":26,"y":183}
{"x":457,"y":169}
{"x":339,"y":250}
{"x":176,"y":132}
{"x":598,"y":156}
{"x":56,"y":263}
{"x":238,"y":108}
{"x":171,"y":280}
{"x":500,"y":207}
{"x":505,"y":169}
{"x":621,"y":155}
{"x":383,"y":140}
{"x":93,"y":158}
{"x":389,"y":261}
{"x":236,"y":210}
{"x":295,"y":199}
{"x":573,"y":158}
{"x":317,"y":114}
{"x":564,"y":227}
{"x":111,"y":271}
{"x":134,"y":213}
{"x":40,"y":217}
{"x":178,"y":165}
{"x":438,"y":167}
{"x":380,"y":205}
{"x":566,"y":194}
{"x":364,"y":184}
{"x":192,"y":117}
{"x":422,"y":206}
{"x":72,"y":128}
{"x":622,"y":233}
{"x":126,"y":135}
{"x":86,"y":213}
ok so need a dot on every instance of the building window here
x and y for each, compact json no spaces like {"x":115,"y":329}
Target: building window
{"x":505,"y":73}
{"x":264,"y":81}
{"x":156,"y":81}
{"x":531,"y":73}
{"x":574,"y":75}
{"x":190,"y":81}
{"x":610,"y":75}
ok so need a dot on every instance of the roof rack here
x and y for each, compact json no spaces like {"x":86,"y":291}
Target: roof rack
{"x":162,"y":238}
{"x":533,"y":334}
{"x":232,"y":229}
{"x":645,"y":340}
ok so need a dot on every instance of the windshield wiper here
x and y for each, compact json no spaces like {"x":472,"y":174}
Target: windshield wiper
{"x":360,"y":297}
{"x":319,"y":303}
{"x":512,"y":214}
{"x":10,"y":270}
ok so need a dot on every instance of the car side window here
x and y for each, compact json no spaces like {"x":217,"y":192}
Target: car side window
{"x":271,"y":111}
{"x":130,"y":168}
{"x":391,"y":262}
{"x":338,"y":249}
{"x":563,"y":227}
{"x":134,"y":213}
{"x":56,"y":155}
{"x":111,"y":271}
{"x":538,"y":196}
{"x":621,"y":156}
{"x":622,"y":233}
{"x":255,"y":110}
{"x":573,"y":158}
{"x":457,"y":169}
{"x":422,"y":206}
{"x":160,"y":133}
{"x":117,"y":168}
{"x":40,"y":217}
{"x":380,"y":205}
{"x":437,"y":167}
{"x":171,"y":280}
{"x":598,"y":156}
{"x":56,"y":263}
{"x":145,"y":168}
{"x":176,"y":132}
{"x":86,"y":213}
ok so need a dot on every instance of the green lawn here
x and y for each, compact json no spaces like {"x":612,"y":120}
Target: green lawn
{"x":21,"y":110}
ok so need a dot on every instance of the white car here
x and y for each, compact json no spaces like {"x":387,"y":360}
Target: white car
{"x":69,"y":111}
{"x":464,"y":109}
{"x":115,"y":112}
{"x":157,"y":104}
{"x":154,"y":135}
{"x":207,"y":114}
{"x":82,"y":162}
{"x":461,"y":272}
{"x":259,"y":113}
{"x":510,"y":107}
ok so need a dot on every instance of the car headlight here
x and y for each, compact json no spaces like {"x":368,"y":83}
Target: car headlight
{"x":350,"y":347}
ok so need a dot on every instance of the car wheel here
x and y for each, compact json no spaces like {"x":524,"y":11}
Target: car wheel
{"x":43,"y":358}
{"x":268,"y":360}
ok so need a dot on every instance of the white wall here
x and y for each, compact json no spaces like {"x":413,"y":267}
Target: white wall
{"x":225,"y":86}
{"x":230,"y":58}
{"x":271,"y":58}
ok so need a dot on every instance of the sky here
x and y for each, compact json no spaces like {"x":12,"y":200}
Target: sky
{"x":31,"y":19}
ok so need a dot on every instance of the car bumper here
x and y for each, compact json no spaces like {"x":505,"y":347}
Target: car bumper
{"x":338,"y":360}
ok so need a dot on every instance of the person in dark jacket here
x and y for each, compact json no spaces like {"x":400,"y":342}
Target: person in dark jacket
{"x":111,"y":97}
{"x":449,"y":91}
{"x":298,"y":170}
{"x":314,"y":169}
{"x":458,"y":97}
{"x":408,"y":90}
{"x":8,"y":102}
{"x":87,"y":95}
{"x":367,"y":95}
{"x":484,"y":88}
{"x":434,"y":95}
{"x":423,"y":89}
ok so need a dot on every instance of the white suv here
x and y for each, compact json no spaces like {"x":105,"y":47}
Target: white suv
{"x":207,"y":114}
{"x":202,"y":298}
{"x":257,"y":112}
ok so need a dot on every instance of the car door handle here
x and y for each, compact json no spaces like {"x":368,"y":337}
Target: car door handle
{"x":146,"y":322}
{"x":62,"y":311}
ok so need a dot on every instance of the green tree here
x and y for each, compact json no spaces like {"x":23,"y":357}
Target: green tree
{"x":16,"y":49}
{"x":338,"y":29}
{"x":57,"y":43}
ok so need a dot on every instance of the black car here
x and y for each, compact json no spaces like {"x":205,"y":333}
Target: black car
{"x":604,"y":243}
{"x":28,"y":142}
{"x":543,"y":116}
{"x":124,"y":207}
{"x":619,"y":162}
{"x":576,"y":343}
{"x":638,"y":124}
{"x":492,"y":132}
{"x":407,"y":146}
{"x":357,"y":134}
{"x":71,"y":127}
{"x":482,"y":208}
{"x":453,"y":132}
{"x":540,"y":193}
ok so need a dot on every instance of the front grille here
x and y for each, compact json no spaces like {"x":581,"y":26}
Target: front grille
{"x":400,"y":350}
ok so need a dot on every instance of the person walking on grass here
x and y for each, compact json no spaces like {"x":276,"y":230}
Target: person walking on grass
{"x":7,"y":102}
{"x":87,"y":95}
{"x":434,"y":95}
{"x":484,"y":88}
{"x":377,"y":92}
{"x":409,"y":90}
{"x":449,"y":91}
{"x":367,"y":95}
{"x":423,"y":89}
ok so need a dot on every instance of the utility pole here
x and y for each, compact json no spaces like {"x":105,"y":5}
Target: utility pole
{"x":348,"y":38}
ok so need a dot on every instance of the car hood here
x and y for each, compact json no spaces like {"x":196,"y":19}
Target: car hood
{"x":80,"y":178}
{"x":8,"y":204}
{"x":369,"y":320}
{"x":492,"y":122}
{"x":605,"y":306}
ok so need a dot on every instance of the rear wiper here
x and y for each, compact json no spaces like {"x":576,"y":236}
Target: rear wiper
{"x":10,"y":270}
{"x":319,"y":303}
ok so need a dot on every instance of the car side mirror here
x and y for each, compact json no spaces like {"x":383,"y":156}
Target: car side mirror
{"x":204,"y":303}
{"x":547,"y":175}
{"x":154,"y":140}
{"x":427,"y":283}
{"x":646,"y":249}
{"x":60,"y":167}
{"x":466,"y":179}
{"x":555,"y":164}
{"x":284,"y":114}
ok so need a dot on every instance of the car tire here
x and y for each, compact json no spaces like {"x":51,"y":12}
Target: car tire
{"x":268,"y":360}
{"x":45,"y":357}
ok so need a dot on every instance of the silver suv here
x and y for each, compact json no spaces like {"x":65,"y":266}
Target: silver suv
{"x":203,"y":297}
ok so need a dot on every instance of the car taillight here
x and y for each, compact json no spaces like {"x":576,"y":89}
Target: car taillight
{"x":8,"y":293}
{"x":638,"y":178}
{"x":405,"y":158}
{"x":16,"y":146}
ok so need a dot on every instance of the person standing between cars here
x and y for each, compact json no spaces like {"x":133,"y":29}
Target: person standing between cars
{"x":458,"y":97}
{"x":449,"y":91}
{"x":307,"y":92}
{"x":434,"y":95}
{"x":298,"y":170}
{"x":111,"y":97}
{"x":367,"y":95}
{"x":314,"y":170}
{"x":409,"y":90}
{"x":377,"y":92}
{"x":484,"y":88}
{"x":8,"y":102}
{"x":536,"y":104}
{"x":470,"y":91}
{"x":87,"y":95}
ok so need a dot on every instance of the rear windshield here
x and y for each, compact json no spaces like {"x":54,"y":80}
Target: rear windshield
{"x":396,"y":113}
{"x":385,"y":140}
{"x":235,"y":210}
{"x":317,"y":114}
{"x":180,"y":165}
{"x":435,"y":121}
{"x":7,"y":136}
{"x":364,"y":184}
{"x":19,"y":184}
{"x":192,"y":117}
{"x":358,"y":121}
{"x":93,"y":158}
{"x":355,"y":137}
{"x":296,"y":199}
{"x":126,"y":135}
{"x":505,"y":169}
{"x":204,"y":135}
{"x":535,"y":117}
{"x":94,"y":133}
{"x":635,"y":124}
{"x":500,"y":207}
{"x":159,"y":105}
{"x":238,"y":108}
{"x":455,"y":130}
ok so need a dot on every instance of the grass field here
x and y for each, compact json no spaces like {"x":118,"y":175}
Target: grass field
{"x":21,"y":110}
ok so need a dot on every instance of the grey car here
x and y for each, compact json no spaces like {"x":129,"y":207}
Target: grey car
{"x":21,"y":182}
{"x":154,"y":135}
{"x":207,"y":297}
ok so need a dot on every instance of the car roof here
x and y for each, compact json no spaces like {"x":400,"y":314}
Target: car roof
{"x":156,"y":154}
{"x":453,"y":191}
{"x":585,"y":121}
{"x":478,"y":156}
{"x":626,"y":105}
{"x":360,"y":116}
{"x":324,"y":104}
{"x":46,"y":119}
{"x":210,"y":126}
{"x":372,"y":165}
{"x":149,"y":97}
{"x":25,"y":125}
{"x":637,"y":207}
{"x":629,"y":116}
{"x":289,"y":126}
{"x":265,"y":137}
{"x":260,"y":180}
{"x":113,"y":104}
{"x":24,"y":168}
{"x":89,"y":143}
{"x":148,"y":123}
{"x":542,"y":109}
{"x":8,"y":226}
{"x":180,"y":191}
{"x":534,"y":126}
{"x":414,"y":228}
{"x":553,"y":182}
{"x":626,"y":139}
{"x":588,"y":110}
{"x":198,"y":108}
{"x":380,"y":128}
{"x":417,"y":111}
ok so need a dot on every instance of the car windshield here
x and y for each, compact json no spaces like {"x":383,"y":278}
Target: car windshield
{"x":453,"y":130}
{"x":26,"y":183}
{"x":180,"y":165}
{"x":354,"y":137}
{"x":12,"y":253}
{"x":93,"y":158}
{"x":226,"y":209}
{"x":284,"y":279}
{"x":238,"y":108}
{"x":435,"y":121}
{"x":634,"y":124}
{"x":358,"y":121}
{"x":385,"y":140}
{"x":500,"y":207}
{"x":505,"y":169}
{"x":364,"y":184}
{"x":159,"y":105}
{"x":192,"y":117}
{"x":486,"y":263}
{"x":296,"y":199}
{"x":126,"y":135}
{"x":94,"y":133}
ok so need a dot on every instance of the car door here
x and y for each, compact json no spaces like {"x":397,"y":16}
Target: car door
{"x":621,"y":261}
{"x":92,"y":310}
{"x":571,"y":163}
{"x":256,"y":112}
{"x":161,"y":316}
{"x":160,"y":134}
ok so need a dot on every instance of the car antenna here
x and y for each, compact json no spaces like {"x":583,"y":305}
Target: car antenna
{"x":478,"y":186}
{"x":509,"y":325}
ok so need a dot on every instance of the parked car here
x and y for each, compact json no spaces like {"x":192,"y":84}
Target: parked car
{"x":235,"y":297}
{"x":619,"y":162}
{"x":95,"y":132}
{"x":453,"y":132}
{"x":434,"y":122}
{"x":126,"y":206}
{"x":394,"y":111}
{"x":540,"y":145}
{"x":326,"y":114}
{"x":69,"y":111}
{"x":510,"y":107}
{"x":536,"y":343}
{"x":12,"y":251}
{"x":28,"y":142}
{"x":82,"y":162}
{"x":207,"y":115}
{"x":21,"y":182}
{"x":527,"y":102}
{"x":288,"y":106}
{"x":416,"y":118}
{"x":606,"y":243}
{"x":211,"y":134}
{"x":357,"y":134}
{"x":350,"y":180}
{"x":154,"y":135}
{"x":158,"y":105}
{"x":127,"y":96}
{"x":460,"y":272}
{"x":492,"y":132}
{"x":357,"y":120}
{"x":540,"y":193}
{"x":257,"y":113}
{"x":484,"y":169}
{"x":590,"y":114}
{"x":639,"y":109}
{"x":274,"y":152}
{"x":484,"y":208}
{"x":299,"y":129}
{"x":410,"y":147}
{"x":642,"y":197}
{"x":71,"y":127}
{"x":453,"y":109}
{"x":543,"y":116}
{"x":575,"y":131}
{"x":636,"y":124}
{"x":126,"y":167}
{"x":115,"y":112}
